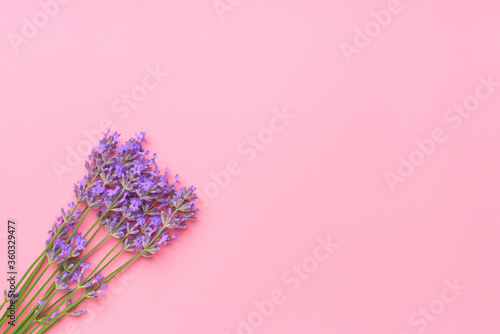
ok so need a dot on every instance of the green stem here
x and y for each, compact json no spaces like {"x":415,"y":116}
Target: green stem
{"x":30,"y":267}
{"x":129,"y":262}
{"x":50,"y":244}
{"x":50,"y":291}
{"x":104,"y":258}
{"x":21,"y":295}
{"x":20,"y":326}
{"x":61,"y":302}
{"x":88,"y":253}
{"x":29,"y":319}
{"x":40,"y":259}
{"x":24,"y":297}
{"x":102,"y":216}
{"x":40,"y":290}
{"x":107,"y":279}
{"x":60,"y":316}
{"x":93,"y":235}
{"x":39,"y":263}
{"x":81,"y":219}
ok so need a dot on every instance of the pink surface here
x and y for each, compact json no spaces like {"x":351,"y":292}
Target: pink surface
{"x":349,"y":168}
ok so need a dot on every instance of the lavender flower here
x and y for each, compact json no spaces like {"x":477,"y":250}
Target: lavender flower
{"x":60,"y":283}
{"x":95,"y":287}
{"x":77,"y":313}
{"x":59,"y":251}
{"x":65,"y":223}
{"x":10,"y":296}
{"x":77,"y":275}
{"x":78,"y":245}
{"x":55,"y":314}
{"x":68,"y":217}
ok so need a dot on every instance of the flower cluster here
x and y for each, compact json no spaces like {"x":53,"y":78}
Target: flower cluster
{"x":139,"y":206}
{"x":134,"y":199}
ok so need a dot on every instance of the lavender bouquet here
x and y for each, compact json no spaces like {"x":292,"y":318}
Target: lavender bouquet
{"x":140,"y":209}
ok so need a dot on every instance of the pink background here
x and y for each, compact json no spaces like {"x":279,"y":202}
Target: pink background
{"x":322,"y":175}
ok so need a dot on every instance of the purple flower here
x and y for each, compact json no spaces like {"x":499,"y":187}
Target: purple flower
{"x":97,"y":189}
{"x":78,"y":243}
{"x":137,"y":241}
{"x":121,"y":203}
{"x":135,"y":203}
{"x":52,"y":316}
{"x":95,"y":287}
{"x":132,"y":229}
{"x":98,"y":278}
{"x":77,"y":275}
{"x":60,"y":283}
{"x":100,"y":148}
{"x":141,"y":220}
{"x":119,"y":169}
{"x":68,"y":216}
{"x":165,"y":238}
{"x":103,"y":289}
{"x":10,"y":295}
{"x":128,"y":245}
{"x":111,"y":193}
{"x":93,"y":201}
{"x":59,"y":230}
{"x":146,"y":185}
{"x":141,"y":137}
{"x":149,"y":228}
{"x":77,"y":313}
{"x":59,"y":251}
{"x":138,"y":167}
{"x":80,"y":191}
